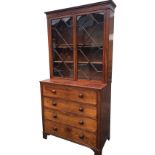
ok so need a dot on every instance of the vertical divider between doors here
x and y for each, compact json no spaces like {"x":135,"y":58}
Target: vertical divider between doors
{"x":75,"y":47}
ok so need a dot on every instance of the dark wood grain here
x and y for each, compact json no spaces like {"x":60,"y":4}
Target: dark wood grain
{"x":44,"y":135}
{"x":72,"y":108}
{"x":99,"y":152}
{"x":49,"y":28}
{"x":78,"y":94}
{"x":70,"y":133}
{"x":105,"y":48}
{"x":69,"y":119}
{"x":110,"y":48}
{"x":88,"y":84}
{"x":105,"y":114}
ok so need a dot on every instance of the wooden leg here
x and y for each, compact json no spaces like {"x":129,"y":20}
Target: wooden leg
{"x":99,"y":152}
{"x":44,"y":135}
{"x":108,"y":137}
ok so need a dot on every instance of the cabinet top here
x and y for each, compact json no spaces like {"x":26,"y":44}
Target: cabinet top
{"x":107,"y":4}
{"x":80,"y":83}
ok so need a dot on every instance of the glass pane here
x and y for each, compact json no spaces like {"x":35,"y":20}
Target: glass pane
{"x":90,"y":46}
{"x":62,"y":47}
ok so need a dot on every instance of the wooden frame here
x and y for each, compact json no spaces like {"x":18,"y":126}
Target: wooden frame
{"x":105,"y":7}
{"x":95,"y":94}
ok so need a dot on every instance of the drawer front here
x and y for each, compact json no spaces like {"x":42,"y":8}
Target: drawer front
{"x":68,"y":119}
{"x":70,"y":133}
{"x":70,"y":93}
{"x":69,"y":106}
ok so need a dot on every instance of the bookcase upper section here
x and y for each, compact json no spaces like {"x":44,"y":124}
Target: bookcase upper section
{"x":80,"y":42}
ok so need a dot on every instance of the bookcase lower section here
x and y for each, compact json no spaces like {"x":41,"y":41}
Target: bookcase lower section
{"x":70,"y":113}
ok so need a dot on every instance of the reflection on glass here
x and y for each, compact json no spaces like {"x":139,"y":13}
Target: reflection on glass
{"x":90,"y":46}
{"x":62,"y":47}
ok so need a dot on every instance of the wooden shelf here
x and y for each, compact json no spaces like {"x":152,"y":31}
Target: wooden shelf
{"x":64,"y":46}
{"x":80,"y":62}
{"x":79,"y":45}
{"x":90,"y":46}
{"x":71,"y":62}
{"x":92,"y":62}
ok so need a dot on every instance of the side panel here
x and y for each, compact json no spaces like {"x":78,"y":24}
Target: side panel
{"x":110,"y":56}
{"x":42,"y":107}
{"x":108,"y":48}
{"x":103,"y":116}
{"x":49,"y":27}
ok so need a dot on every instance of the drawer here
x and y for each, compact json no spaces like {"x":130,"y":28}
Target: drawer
{"x":69,"y":119}
{"x":70,"y":106}
{"x":70,"y":93}
{"x":70,"y":133}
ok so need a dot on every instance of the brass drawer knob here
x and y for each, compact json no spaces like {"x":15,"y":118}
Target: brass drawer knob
{"x":54,"y":103}
{"x":81,"y":109}
{"x":81,"y":122}
{"x":55,"y":129}
{"x":55,"y":116}
{"x":81,"y":95}
{"x":54,"y":91}
{"x":81,"y":136}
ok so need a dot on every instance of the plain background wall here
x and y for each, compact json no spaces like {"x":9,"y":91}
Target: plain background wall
{"x":24,"y":62}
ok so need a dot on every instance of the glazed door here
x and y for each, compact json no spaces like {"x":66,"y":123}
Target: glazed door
{"x":62,"y":47}
{"x":90,"y":46}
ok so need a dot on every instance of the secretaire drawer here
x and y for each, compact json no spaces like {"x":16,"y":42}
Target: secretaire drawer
{"x":72,"y":120}
{"x":70,"y":133}
{"x":70,"y":93}
{"x":70,"y":106}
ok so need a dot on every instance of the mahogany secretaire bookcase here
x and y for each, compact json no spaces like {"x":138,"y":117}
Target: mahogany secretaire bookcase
{"x":76,"y":98}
